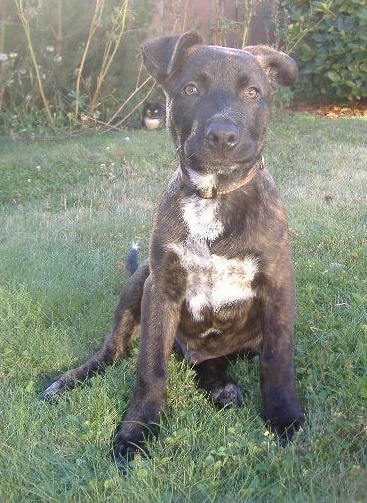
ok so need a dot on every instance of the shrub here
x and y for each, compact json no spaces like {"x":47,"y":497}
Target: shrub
{"x":330,"y":41}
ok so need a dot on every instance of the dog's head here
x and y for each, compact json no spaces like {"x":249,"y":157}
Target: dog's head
{"x":217,"y":99}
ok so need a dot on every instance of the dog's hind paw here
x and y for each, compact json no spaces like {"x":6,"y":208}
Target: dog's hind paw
{"x":57,"y":389}
{"x":227,"y":395}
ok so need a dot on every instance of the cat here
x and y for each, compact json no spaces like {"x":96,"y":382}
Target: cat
{"x":153,"y":115}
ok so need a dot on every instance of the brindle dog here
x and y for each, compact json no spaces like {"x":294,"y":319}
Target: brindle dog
{"x":219,"y":279}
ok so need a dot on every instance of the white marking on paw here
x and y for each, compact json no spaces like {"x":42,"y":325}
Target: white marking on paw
{"x":52,"y":390}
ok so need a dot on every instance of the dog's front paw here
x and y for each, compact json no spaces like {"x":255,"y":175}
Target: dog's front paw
{"x":285,"y":424}
{"x":124,"y":452}
{"x":227,"y":395}
{"x":130,"y":441}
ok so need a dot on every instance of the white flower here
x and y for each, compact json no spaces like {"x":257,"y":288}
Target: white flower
{"x":50,"y":48}
{"x":3,"y":56}
{"x":13,"y":55}
{"x":57,"y":59}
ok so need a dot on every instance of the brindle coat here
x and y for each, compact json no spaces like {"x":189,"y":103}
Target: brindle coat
{"x":219,"y":280}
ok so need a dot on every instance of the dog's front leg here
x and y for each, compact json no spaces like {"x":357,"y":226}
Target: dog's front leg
{"x":161,"y":307}
{"x":281,"y":410}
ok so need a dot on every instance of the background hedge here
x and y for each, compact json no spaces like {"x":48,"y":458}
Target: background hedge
{"x":329,"y":39}
{"x":67,"y":64}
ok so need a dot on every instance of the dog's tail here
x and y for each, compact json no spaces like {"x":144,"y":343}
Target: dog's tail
{"x":132,"y":262}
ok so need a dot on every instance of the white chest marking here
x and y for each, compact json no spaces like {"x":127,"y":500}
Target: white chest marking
{"x":201,"y":181}
{"x":202,"y":219}
{"x":214,"y":281}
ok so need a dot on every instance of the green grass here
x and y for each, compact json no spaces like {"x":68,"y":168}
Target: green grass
{"x":69,"y":211}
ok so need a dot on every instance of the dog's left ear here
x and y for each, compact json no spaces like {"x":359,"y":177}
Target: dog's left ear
{"x":161,"y":55}
{"x":279,"y":67}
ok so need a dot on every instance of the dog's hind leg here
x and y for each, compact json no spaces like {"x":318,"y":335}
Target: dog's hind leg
{"x":213,"y":376}
{"x":127,"y":319}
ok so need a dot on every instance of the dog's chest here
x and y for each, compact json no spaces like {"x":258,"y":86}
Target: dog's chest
{"x":213,"y":281}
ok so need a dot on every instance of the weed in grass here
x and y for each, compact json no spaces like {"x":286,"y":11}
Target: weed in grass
{"x":63,"y":239}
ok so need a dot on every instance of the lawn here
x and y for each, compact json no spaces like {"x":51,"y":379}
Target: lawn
{"x":68,"y":212}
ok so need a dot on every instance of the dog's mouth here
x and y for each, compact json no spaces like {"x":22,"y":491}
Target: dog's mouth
{"x":217,"y":165}
{"x":218,"y":161}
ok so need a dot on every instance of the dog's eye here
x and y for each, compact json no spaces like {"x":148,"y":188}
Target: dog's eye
{"x":190,"y":89}
{"x":251,"y":93}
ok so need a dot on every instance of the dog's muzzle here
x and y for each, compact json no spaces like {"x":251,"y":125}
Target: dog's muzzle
{"x":222,"y":134}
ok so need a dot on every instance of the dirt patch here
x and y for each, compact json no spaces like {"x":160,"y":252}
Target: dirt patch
{"x":332,"y":110}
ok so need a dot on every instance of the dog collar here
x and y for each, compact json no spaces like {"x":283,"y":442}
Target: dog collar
{"x":213,"y":192}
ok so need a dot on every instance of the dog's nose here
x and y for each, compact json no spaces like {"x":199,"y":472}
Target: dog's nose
{"x":222,"y":134}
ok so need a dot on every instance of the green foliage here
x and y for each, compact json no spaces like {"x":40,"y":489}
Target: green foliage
{"x":66,"y":64}
{"x":330,"y":41}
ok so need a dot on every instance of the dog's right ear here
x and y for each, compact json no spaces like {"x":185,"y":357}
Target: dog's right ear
{"x":161,"y":55}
